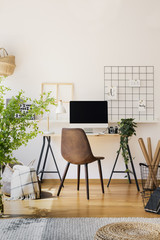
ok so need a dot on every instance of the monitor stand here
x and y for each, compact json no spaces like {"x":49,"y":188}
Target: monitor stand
{"x":88,"y":130}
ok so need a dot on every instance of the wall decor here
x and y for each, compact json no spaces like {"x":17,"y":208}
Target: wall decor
{"x":111,"y":93}
{"x":142,"y":105}
{"x":134,"y":84}
{"x":24,"y":108}
{"x":7,"y":63}
{"x":60,"y":91}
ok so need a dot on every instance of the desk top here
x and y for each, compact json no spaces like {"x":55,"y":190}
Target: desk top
{"x":88,"y":134}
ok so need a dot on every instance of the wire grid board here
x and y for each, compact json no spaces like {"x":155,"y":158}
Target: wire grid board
{"x":128,"y":97}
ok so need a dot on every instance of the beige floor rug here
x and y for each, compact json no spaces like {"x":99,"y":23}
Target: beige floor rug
{"x":59,"y":228}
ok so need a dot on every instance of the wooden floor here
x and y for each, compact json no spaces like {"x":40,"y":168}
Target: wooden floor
{"x":119,"y":200}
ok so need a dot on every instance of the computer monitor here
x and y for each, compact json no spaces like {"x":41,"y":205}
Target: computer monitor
{"x":89,"y":114}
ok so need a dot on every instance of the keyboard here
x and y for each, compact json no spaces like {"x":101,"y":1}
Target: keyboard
{"x":95,"y":134}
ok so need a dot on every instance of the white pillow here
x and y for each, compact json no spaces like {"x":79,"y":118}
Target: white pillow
{"x":6,"y":180}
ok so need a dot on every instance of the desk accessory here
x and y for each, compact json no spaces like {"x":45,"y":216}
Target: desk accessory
{"x":113,"y":130}
{"x":59,"y":110}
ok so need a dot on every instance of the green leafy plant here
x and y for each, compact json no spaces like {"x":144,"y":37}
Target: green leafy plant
{"x":15,"y":132}
{"x":126,"y":129}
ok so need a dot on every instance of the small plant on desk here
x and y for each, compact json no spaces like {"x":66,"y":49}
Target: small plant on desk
{"x":126,"y":129}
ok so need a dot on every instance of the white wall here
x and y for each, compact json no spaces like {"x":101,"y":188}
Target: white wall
{"x":72,"y":41}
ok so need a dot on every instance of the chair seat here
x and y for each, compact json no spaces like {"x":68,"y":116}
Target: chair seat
{"x":99,"y":158}
{"x":91,"y":159}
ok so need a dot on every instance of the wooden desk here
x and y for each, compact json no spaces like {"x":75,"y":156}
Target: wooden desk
{"x":88,"y":134}
{"x":47,"y":144}
{"x":47,"y":137}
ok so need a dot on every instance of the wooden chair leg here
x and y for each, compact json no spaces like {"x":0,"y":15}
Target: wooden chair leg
{"x":87,"y":182}
{"x":63,"y":178}
{"x":100,"y":174}
{"x":78,"y":176}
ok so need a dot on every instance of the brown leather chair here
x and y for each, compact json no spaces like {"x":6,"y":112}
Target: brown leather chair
{"x":75,"y":148}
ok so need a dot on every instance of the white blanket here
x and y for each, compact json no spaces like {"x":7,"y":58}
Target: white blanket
{"x":24,"y":183}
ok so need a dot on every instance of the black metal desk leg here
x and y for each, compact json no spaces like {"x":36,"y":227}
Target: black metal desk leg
{"x":134,"y":173}
{"x":128,"y":175}
{"x":41,"y":154}
{"x":114,"y":167}
{"x":78,"y":176}
{"x":44,"y":164}
{"x":49,"y":142}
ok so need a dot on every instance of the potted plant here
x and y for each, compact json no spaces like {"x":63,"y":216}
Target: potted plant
{"x":17,"y":131}
{"x":126,"y":130}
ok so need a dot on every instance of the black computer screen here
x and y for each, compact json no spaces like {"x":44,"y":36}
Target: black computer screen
{"x":88,"y":112}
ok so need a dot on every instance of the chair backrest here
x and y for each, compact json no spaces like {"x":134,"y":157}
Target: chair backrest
{"x":75,"y":147}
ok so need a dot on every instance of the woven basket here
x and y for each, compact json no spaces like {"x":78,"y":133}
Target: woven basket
{"x":7,"y":63}
{"x":129,"y":231}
